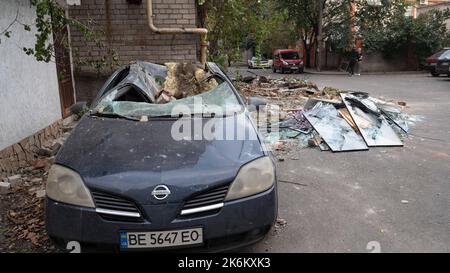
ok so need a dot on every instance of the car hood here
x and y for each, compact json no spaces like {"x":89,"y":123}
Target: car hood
{"x":130,"y":158}
{"x":293,"y":60}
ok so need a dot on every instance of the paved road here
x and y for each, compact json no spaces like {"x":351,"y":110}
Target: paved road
{"x":351,"y":199}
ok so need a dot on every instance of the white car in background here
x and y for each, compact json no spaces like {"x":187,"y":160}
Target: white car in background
{"x":262,"y":62}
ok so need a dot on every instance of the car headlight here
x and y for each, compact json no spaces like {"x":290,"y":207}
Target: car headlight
{"x":66,"y":186}
{"x":285,"y":63}
{"x":254,"y":177}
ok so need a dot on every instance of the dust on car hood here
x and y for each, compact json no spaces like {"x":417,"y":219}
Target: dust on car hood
{"x":128,"y":157}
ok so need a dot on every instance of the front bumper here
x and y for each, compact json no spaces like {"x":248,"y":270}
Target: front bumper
{"x":292,"y":66}
{"x":261,"y":65}
{"x":238,"y":223}
{"x":443,"y":69}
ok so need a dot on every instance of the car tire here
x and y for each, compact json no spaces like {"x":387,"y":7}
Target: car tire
{"x":282,"y":70}
{"x":274,"y":69}
{"x":434,"y":74}
{"x":300,"y":71}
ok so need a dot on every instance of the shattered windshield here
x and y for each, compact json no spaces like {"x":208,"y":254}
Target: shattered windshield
{"x":180,"y":93}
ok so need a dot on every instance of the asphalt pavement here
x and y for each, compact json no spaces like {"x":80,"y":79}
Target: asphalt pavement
{"x":386,"y":199}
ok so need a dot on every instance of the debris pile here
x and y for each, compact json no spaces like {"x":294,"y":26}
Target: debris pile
{"x":331,"y":119}
{"x":184,"y":80}
{"x":22,"y":198}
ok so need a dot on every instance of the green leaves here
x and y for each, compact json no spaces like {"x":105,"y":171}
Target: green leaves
{"x":388,"y":30}
{"x":236,"y":24}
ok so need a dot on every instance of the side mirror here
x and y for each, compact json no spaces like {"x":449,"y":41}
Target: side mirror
{"x":256,"y":102}
{"x":78,"y":107}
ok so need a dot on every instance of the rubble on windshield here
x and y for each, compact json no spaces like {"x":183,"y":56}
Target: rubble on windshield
{"x":184,"y":80}
{"x":328,"y":119}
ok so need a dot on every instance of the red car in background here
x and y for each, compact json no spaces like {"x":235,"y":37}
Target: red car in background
{"x":287,"y":60}
{"x":431,"y":62}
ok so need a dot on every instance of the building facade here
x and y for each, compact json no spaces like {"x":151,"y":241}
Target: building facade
{"x":125,"y":28}
{"x":30,"y":105}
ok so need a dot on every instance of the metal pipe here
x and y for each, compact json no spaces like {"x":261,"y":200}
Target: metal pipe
{"x":201,"y":31}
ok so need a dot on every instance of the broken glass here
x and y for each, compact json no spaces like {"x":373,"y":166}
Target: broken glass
{"x":219,"y":101}
{"x":333,"y":129}
{"x":373,"y":126}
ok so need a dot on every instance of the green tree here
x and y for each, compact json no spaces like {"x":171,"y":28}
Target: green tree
{"x":237,"y":24}
{"x":386,"y":28}
{"x":335,"y":22}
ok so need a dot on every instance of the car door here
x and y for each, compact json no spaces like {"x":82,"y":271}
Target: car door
{"x":276,"y":60}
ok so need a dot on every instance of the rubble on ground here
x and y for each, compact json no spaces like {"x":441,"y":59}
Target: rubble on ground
{"x":330,"y":119}
{"x":22,"y":203}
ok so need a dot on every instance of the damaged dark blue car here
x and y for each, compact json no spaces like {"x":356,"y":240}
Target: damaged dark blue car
{"x":138,"y":172}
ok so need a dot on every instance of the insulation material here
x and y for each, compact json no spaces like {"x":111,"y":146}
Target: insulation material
{"x":333,"y":129}
{"x":185,"y":80}
{"x":373,"y":126}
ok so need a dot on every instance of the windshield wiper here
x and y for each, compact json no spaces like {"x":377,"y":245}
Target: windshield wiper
{"x":194,"y":115}
{"x":113,"y":115}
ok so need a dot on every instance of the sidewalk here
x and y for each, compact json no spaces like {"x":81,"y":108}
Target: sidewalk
{"x":336,"y":72}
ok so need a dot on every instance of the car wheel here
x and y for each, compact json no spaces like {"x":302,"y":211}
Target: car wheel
{"x":434,"y":74}
{"x":274,"y":69}
{"x":282,"y":70}
{"x":300,"y":71}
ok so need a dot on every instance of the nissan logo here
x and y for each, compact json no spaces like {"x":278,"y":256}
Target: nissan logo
{"x":161,"y":192}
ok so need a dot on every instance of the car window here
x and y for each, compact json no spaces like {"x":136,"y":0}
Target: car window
{"x":445,"y":55}
{"x":221,"y":100}
{"x":290,"y":55}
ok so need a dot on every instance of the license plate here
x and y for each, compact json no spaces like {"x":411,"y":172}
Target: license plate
{"x":156,"y":239}
{"x":445,"y":63}
{"x":294,"y":67}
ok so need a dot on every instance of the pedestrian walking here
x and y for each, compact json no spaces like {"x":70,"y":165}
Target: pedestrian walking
{"x":358,"y":61}
{"x":355,"y":59}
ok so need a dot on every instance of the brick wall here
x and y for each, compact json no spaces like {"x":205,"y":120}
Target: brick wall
{"x":126,"y":31}
{"x":23,"y":153}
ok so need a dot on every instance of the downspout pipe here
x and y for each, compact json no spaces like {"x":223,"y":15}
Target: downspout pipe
{"x":201,"y":31}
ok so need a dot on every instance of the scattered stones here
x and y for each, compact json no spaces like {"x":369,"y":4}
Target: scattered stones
{"x":5,"y":187}
{"x":67,"y":129}
{"x":280,"y":223}
{"x":36,"y":180}
{"x":50,"y":162}
{"x":55,"y":147}
{"x":44,"y":152}
{"x":40,"y":163}
{"x":33,"y":190}
{"x":15,"y":180}
{"x":40,"y":194}
{"x":405,"y":201}
{"x":401,"y":103}
{"x":48,"y":152}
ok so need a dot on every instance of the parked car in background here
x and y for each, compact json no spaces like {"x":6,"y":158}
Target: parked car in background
{"x":125,"y":183}
{"x":431,"y":62}
{"x":261,"y":62}
{"x":443,"y":63}
{"x":287,"y":60}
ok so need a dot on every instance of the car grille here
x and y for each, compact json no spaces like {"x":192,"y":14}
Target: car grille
{"x":208,"y":201}
{"x":115,"y":208}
